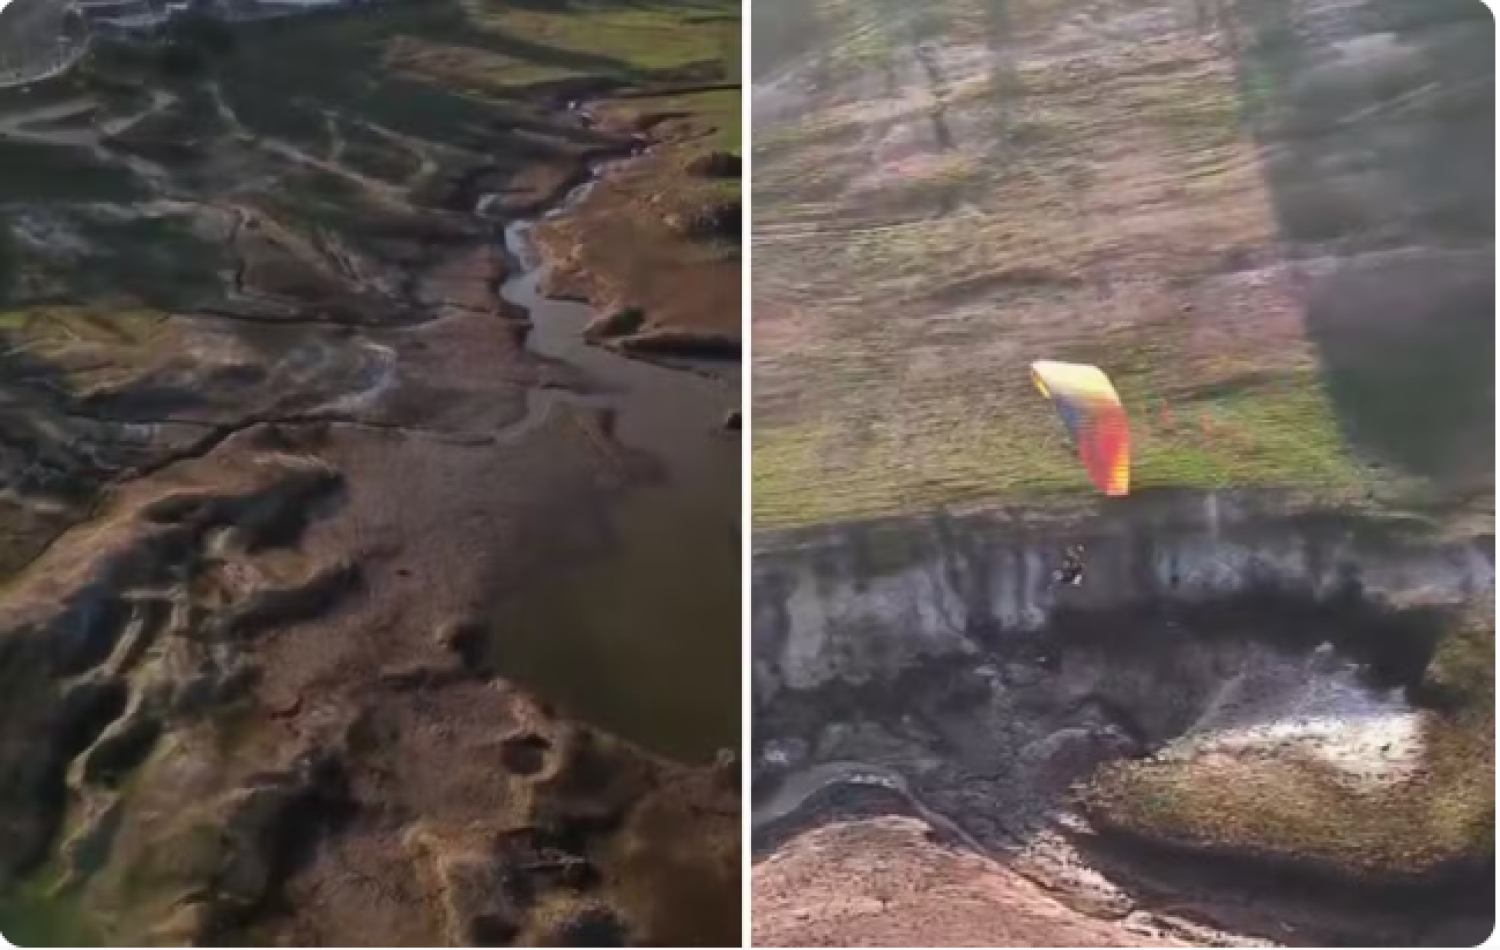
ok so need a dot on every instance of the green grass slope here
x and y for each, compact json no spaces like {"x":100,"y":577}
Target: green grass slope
{"x":1276,"y":239}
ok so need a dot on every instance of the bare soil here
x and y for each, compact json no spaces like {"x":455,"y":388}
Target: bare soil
{"x":654,"y":237}
{"x":891,"y":882}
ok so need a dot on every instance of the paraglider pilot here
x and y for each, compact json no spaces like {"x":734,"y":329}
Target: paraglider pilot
{"x":1071,"y":572}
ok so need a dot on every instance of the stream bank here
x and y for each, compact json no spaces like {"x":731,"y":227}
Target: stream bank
{"x":607,"y":638}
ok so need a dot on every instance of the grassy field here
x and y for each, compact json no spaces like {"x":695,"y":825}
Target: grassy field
{"x":1006,"y":444}
{"x":38,"y":920}
{"x":441,"y":70}
{"x":719,"y":111}
{"x":944,"y":195}
{"x":91,"y":324}
{"x":37,"y":914}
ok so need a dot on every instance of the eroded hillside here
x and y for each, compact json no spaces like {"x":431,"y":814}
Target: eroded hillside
{"x":297,"y":512}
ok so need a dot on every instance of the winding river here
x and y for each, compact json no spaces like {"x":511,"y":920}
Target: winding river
{"x":642,"y":641}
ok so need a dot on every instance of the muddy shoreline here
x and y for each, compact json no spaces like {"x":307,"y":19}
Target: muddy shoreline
{"x":676,"y":526}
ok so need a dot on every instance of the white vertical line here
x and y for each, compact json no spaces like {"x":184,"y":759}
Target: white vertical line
{"x":747,"y":422}
{"x":1495,"y":15}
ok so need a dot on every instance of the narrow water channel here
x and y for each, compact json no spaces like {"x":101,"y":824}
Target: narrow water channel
{"x":643,"y":641}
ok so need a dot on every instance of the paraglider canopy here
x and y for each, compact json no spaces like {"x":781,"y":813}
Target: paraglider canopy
{"x":1095,"y":417}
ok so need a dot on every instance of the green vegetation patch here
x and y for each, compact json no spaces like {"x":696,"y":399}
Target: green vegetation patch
{"x":1004,"y":443}
{"x":716,"y":114}
{"x":940,"y":203}
{"x":634,"y":37}
{"x":98,"y":323}
{"x":1442,"y":817}
{"x":439,"y":70}
{"x":35,"y":917}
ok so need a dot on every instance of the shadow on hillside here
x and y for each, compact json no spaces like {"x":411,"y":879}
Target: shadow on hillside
{"x":1377,"y":140}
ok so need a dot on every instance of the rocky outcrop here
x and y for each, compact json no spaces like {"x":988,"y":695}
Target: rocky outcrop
{"x":1253,"y":687}
{"x":861,"y":603}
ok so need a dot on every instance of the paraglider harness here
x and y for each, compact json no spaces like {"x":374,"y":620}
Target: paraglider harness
{"x":1071,"y":572}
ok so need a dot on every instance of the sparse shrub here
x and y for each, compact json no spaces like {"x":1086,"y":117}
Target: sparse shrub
{"x":715,"y":165}
{"x":711,"y":219}
{"x":622,"y":322}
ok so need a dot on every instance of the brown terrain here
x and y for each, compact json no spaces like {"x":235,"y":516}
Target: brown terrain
{"x":650,"y":245}
{"x":288,"y":499}
{"x":1267,"y":715}
{"x":885,"y":882}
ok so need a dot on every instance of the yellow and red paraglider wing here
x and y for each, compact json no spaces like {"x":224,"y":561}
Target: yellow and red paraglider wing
{"x":1095,"y":417}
